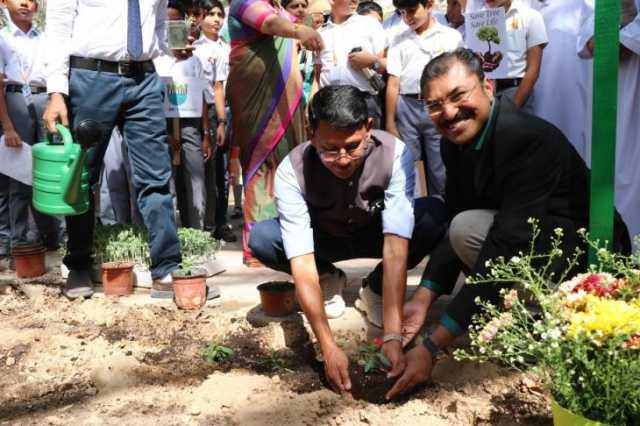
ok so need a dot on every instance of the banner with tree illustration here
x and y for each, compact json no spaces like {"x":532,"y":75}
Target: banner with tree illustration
{"x":486,"y":34}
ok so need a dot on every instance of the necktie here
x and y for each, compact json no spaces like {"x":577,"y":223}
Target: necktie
{"x":134,"y":30}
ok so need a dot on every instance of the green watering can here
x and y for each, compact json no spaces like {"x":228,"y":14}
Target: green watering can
{"x":60,"y":173}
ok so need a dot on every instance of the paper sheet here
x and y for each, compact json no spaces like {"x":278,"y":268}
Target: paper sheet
{"x":16,"y":162}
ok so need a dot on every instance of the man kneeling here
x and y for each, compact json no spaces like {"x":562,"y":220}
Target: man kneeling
{"x":502,"y":166}
{"x":348,"y":193}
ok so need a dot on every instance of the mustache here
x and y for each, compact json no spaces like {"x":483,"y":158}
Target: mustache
{"x":460,"y":116}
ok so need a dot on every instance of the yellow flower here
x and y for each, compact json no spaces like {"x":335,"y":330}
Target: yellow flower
{"x":605,"y":317}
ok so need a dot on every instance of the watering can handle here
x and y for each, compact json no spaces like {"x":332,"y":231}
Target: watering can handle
{"x":70,"y":180}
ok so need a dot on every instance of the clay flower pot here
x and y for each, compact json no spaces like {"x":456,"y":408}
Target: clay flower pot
{"x":277,"y":298}
{"x":117,"y":278}
{"x":29,"y":259}
{"x":564,"y":417}
{"x":190,"y":289}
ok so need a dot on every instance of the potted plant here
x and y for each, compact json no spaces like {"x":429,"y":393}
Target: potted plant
{"x":277,"y":298}
{"x":189,"y":285}
{"x":116,"y":269}
{"x":200,"y":246}
{"x":582,"y":340}
{"x":29,"y":259}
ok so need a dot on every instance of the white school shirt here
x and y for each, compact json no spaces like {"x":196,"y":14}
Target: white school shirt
{"x":97,"y":29}
{"x":409,"y":53}
{"x":339,"y":39}
{"x":214,"y":56}
{"x":169,"y":66}
{"x":525,"y":29}
{"x":22,"y":56}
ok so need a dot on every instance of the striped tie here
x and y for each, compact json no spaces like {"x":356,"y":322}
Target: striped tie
{"x":134,"y":30}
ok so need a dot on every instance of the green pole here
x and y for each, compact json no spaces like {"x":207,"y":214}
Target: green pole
{"x":605,"y":99}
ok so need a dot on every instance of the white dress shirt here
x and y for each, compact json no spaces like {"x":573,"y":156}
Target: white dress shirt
{"x":339,"y":39}
{"x":214,"y":55}
{"x":22,"y":56}
{"x":409,"y":53}
{"x":98,"y":29}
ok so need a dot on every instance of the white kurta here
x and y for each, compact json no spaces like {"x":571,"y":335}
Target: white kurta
{"x":561,"y":90}
{"x":627,"y":182}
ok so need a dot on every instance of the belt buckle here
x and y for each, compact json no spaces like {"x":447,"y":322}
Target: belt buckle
{"x":125,"y":68}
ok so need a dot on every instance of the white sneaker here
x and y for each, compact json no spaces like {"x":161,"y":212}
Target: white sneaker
{"x":369,"y":305}
{"x":332,"y":284}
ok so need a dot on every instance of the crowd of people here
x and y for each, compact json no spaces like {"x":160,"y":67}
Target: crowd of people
{"x":345,"y":135}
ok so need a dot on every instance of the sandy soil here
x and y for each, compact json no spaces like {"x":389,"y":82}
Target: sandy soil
{"x":130,"y":361}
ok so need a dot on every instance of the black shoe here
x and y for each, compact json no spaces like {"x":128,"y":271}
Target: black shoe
{"x":225,"y":233}
{"x":78,"y":284}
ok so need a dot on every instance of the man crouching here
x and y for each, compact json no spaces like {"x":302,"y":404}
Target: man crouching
{"x":348,"y":193}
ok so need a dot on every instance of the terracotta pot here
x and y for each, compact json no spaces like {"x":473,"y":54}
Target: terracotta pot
{"x":117,"y":278}
{"x":30,"y":260}
{"x":190,"y":291}
{"x":564,"y":417}
{"x":277,"y":298}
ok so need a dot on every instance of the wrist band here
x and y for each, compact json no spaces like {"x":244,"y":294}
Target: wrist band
{"x":392,"y":336}
{"x":431,"y":347}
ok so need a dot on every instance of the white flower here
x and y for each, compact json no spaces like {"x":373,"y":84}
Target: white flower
{"x":515,"y":259}
{"x":558,"y":232}
{"x":487,"y":263}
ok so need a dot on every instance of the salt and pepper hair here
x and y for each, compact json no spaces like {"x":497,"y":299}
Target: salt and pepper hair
{"x":441,"y":64}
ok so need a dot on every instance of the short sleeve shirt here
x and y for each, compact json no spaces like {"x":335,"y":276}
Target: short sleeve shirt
{"x":525,"y":29}
{"x":214,"y":56}
{"x":22,"y":56}
{"x":295,"y":221}
{"x":410,"y":52}
{"x":339,"y":40}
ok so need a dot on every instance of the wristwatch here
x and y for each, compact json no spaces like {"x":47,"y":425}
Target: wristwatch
{"x":431,"y":347}
{"x":222,"y":121}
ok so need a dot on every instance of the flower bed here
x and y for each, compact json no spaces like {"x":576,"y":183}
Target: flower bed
{"x":581,"y":337}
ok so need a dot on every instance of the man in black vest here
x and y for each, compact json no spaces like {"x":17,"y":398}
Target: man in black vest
{"x":348,"y":193}
{"x":503,"y":167}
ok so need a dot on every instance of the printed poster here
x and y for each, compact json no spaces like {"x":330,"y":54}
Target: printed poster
{"x":486,"y":34}
{"x":183,"y":97}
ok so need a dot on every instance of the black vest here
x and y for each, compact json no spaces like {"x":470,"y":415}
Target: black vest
{"x":351,"y":207}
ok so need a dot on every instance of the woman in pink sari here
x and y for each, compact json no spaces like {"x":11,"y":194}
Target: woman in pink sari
{"x":265,"y":93}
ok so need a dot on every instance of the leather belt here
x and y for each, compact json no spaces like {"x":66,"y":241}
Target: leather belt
{"x":121,"y":68}
{"x":507,"y":83}
{"x":17,"y":88}
{"x":416,"y":96}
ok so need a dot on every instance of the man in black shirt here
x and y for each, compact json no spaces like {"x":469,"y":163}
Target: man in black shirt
{"x":503,"y":166}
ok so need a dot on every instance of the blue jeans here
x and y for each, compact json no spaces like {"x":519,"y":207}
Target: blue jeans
{"x":134,"y":104}
{"x":430,"y":225}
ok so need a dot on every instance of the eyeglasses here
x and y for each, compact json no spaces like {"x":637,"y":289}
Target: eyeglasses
{"x":435,"y":108}
{"x":352,"y":153}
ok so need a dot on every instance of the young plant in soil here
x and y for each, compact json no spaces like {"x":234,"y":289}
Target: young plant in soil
{"x":216,"y":353}
{"x":272,"y":361}
{"x":368,"y":374}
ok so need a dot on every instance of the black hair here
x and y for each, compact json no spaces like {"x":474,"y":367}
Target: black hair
{"x":367,"y":6}
{"x":341,"y":107}
{"x":177,"y":5}
{"x":207,"y":5}
{"x":285,"y":3}
{"x":408,"y":4}
{"x":441,"y":64}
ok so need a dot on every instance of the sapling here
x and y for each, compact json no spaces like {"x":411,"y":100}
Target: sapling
{"x":372,"y":358}
{"x":215,"y":352}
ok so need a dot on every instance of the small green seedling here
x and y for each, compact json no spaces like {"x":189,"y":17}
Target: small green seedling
{"x":273,"y":361}
{"x":214,"y":352}
{"x":373,"y":358}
